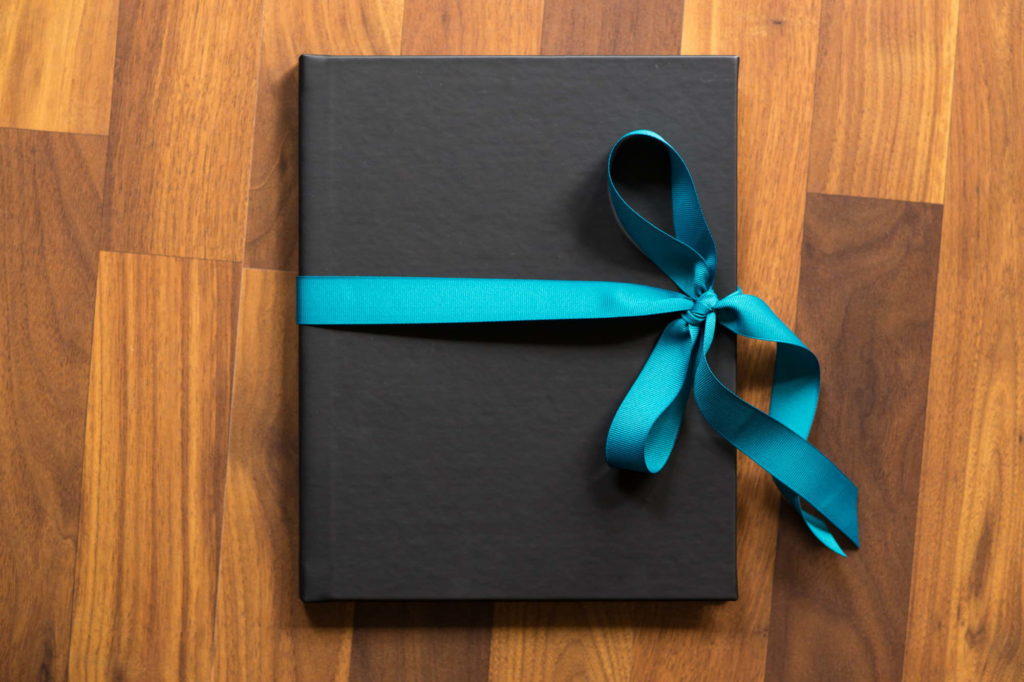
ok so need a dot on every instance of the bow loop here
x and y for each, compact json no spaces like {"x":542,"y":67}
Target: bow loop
{"x":687,"y":254}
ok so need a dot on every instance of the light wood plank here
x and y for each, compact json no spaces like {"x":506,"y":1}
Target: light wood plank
{"x":51,"y":208}
{"x":611,"y":27}
{"x":459,"y":27}
{"x":292,"y":28}
{"x":57,"y":64}
{"x":835,"y":618}
{"x":182,"y":127}
{"x":777,"y":45}
{"x":263,"y":630}
{"x":156,"y":440}
{"x":967,"y":599}
{"x":881,"y":108}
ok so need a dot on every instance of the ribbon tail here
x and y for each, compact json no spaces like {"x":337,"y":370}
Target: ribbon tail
{"x":777,"y":441}
{"x":647,"y":423}
{"x":817,"y":527}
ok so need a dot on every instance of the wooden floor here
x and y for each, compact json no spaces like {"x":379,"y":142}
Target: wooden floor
{"x":148,"y":354}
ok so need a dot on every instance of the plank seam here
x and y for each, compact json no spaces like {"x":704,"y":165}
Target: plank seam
{"x":81,"y":478}
{"x":173,"y":256}
{"x":236,"y":294}
{"x":864,"y":198}
{"x":48,"y":131}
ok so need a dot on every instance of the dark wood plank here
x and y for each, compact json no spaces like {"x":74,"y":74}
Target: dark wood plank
{"x":51,"y":210}
{"x":50,"y":78}
{"x":881,"y":108}
{"x":968,"y":590}
{"x":292,"y":28}
{"x":181,"y":127}
{"x":458,"y":27}
{"x":155,"y":446}
{"x":867,"y":292}
{"x":612,"y":27}
{"x":423,"y":641}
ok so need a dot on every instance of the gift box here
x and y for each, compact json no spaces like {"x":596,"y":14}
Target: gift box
{"x":466,"y":461}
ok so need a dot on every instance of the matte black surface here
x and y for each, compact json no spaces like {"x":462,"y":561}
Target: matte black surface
{"x":466,"y":462}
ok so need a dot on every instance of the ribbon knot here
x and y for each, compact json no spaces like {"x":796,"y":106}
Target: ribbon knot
{"x":703,"y":305}
{"x":645,"y":428}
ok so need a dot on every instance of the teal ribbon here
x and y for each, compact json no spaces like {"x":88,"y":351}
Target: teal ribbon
{"x":647,"y":423}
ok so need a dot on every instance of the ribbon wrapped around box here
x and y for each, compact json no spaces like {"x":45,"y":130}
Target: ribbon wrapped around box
{"x":645,"y":427}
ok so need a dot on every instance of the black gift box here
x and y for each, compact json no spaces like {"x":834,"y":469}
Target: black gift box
{"x":467,"y":461}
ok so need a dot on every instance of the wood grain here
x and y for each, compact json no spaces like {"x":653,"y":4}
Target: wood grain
{"x":51,"y":208}
{"x":155,"y":446}
{"x":263,"y":630}
{"x":967,"y":600}
{"x":569,"y":641}
{"x":881,"y":107}
{"x":57,"y":64}
{"x":423,"y":641}
{"x":612,"y":27}
{"x":867,"y":293}
{"x":292,"y":28}
{"x":458,"y":27}
{"x":181,"y":127}
{"x":696,"y":641}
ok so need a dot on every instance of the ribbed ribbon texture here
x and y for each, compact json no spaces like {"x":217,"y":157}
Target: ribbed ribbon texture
{"x":647,"y":423}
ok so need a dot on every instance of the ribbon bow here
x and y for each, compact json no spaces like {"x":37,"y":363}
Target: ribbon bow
{"x":647,"y":423}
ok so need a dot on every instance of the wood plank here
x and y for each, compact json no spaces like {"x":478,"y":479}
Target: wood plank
{"x":182,"y":127}
{"x":51,"y":211}
{"x":57,"y":64}
{"x":867,"y":284}
{"x":612,"y":27}
{"x":882,"y":99}
{"x":777,"y":45}
{"x":455,"y":27}
{"x":562,"y":641}
{"x":967,"y":595}
{"x":292,"y":28}
{"x":263,"y":630}
{"x":155,"y":447}
{"x":423,"y":641}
